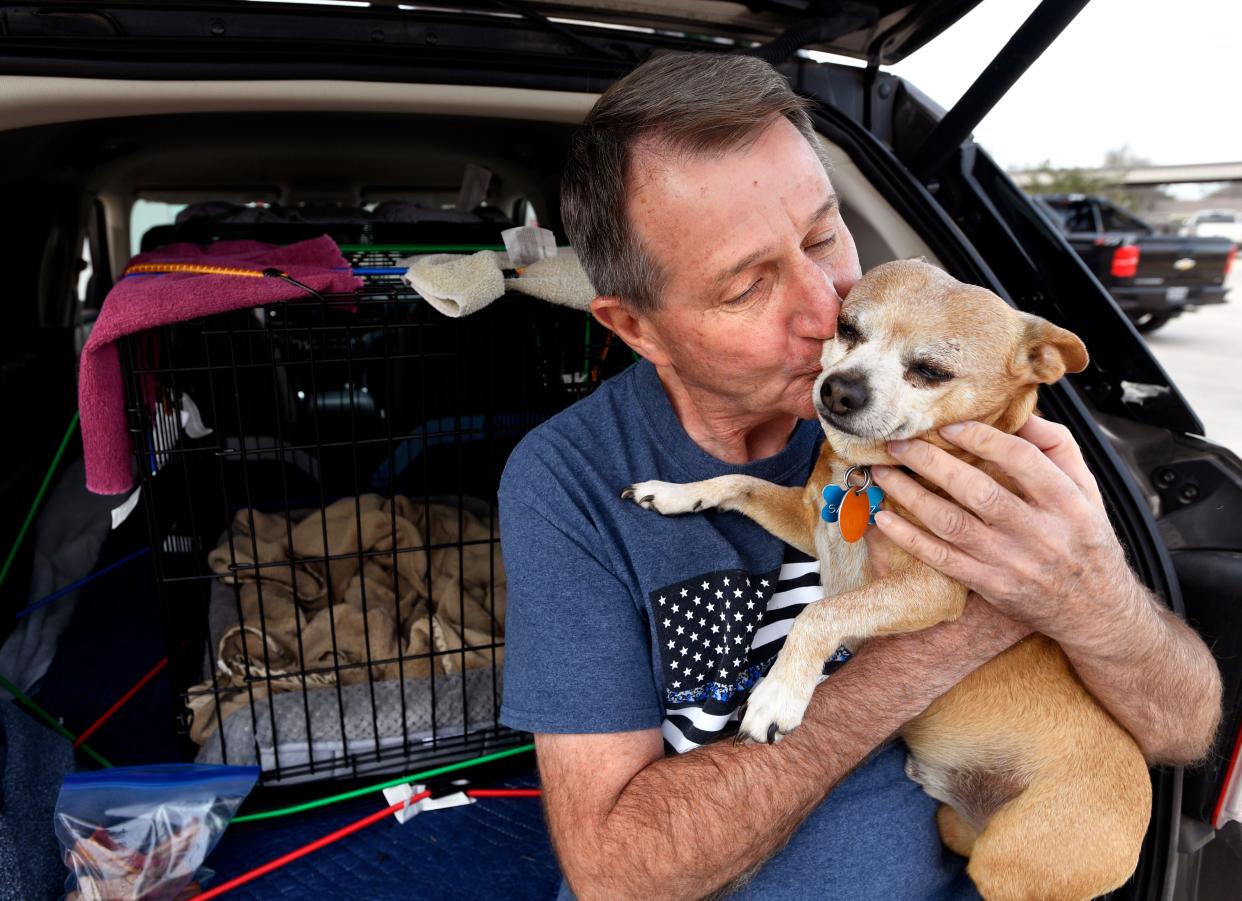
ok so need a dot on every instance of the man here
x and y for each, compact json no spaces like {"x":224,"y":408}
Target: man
{"x":705,"y":217}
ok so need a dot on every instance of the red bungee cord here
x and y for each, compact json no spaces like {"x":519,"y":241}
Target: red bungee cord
{"x":121,"y":702}
{"x":353,"y":827}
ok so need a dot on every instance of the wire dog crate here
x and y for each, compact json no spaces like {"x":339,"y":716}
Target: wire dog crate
{"x":319,"y":479}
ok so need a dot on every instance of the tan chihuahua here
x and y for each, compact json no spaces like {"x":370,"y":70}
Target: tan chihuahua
{"x":1045,"y":793}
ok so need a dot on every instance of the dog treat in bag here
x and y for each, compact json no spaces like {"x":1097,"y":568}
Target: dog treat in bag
{"x":143,"y":832}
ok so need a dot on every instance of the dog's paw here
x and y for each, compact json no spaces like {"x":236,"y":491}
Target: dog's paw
{"x":665,"y":497}
{"x":775,"y":707}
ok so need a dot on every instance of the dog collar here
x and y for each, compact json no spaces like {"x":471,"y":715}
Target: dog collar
{"x":853,"y":503}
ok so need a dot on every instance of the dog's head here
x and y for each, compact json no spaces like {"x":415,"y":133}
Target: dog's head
{"x":916,"y":349}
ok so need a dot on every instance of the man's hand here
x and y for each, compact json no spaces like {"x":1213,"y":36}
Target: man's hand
{"x":980,"y":617}
{"x":1047,"y":556}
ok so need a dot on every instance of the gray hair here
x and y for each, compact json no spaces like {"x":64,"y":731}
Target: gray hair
{"x":694,"y":104}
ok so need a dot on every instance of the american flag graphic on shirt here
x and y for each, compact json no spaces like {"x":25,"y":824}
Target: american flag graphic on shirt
{"x":719,"y":633}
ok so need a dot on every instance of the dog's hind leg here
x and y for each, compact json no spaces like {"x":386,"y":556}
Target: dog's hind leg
{"x":1052,"y":843}
{"x":785,"y":512}
{"x":957,"y":835}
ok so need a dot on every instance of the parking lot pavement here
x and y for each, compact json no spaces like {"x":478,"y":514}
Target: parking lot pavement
{"x":1202,"y":352}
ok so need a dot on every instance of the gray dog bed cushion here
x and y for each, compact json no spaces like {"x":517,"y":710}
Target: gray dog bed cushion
{"x":350,"y":729}
{"x":295,"y":730}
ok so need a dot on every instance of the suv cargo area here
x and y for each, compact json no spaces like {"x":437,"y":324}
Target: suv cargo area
{"x":304,"y":573}
{"x":352,"y":441}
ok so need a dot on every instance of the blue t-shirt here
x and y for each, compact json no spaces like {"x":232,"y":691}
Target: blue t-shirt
{"x":621,"y":619}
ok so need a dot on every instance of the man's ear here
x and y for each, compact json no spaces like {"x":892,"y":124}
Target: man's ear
{"x":635,"y":329}
{"x":1049,"y":351}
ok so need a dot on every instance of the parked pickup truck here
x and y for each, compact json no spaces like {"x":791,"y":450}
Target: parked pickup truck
{"x":1152,"y":277}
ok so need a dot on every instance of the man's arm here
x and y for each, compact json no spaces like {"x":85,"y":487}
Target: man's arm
{"x":628,"y":822}
{"x":1049,"y":558}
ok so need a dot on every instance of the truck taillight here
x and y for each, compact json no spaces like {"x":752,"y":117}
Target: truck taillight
{"x":1125,"y":261}
{"x":1230,"y":257}
{"x":1229,"y":804}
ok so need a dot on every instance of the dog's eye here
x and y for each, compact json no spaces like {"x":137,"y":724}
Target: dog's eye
{"x":846,"y":331}
{"x":926,"y":372}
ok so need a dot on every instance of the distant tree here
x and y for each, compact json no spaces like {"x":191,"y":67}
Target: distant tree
{"x":1105,"y":182}
{"x":1048,"y":179}
{"x":1123,"y":159}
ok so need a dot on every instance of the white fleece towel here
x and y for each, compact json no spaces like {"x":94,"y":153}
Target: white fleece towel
{"x":459,"y":285}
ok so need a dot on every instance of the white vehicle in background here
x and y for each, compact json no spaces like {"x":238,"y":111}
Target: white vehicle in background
{"x":1215,"y":224}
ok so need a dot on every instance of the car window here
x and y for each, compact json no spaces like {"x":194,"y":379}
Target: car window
{"x":1059,"y":211}
{"x":146,"y":214}
{"x":87,"y":269}
{"x":1117,"y":220}
{"x":1081,"y":218}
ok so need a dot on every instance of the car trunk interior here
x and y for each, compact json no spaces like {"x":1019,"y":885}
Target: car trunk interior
{"x":81,"y":160}
{"x":80,"y":153}
{"x":91,"y":153}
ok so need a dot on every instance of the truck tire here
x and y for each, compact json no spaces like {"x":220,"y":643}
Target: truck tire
{"x":1152,"y":321}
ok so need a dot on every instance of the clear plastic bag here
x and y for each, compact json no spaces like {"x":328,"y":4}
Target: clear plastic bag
{"x":528,"y":244}
{"x":144,"y":832}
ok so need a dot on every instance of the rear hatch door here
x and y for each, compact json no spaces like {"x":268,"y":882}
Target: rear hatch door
{"x":858,"y":28}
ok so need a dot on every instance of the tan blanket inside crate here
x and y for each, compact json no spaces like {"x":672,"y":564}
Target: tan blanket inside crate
{"x":303,"y":622}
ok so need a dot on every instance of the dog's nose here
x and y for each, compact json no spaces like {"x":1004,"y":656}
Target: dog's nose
{"x":844,"y":394}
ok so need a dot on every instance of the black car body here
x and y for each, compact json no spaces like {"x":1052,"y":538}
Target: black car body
{"x":1153,"y":277}
{"x":104,"y":102}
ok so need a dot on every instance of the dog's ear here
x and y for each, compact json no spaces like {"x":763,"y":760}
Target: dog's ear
{"x":1049,"y":351}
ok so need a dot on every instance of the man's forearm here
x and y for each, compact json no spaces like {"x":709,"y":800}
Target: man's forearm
{"x":690,"y":825}
{"x":1153,"y":674}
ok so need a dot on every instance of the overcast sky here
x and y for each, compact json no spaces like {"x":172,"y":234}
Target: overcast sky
{"x":1164,"y":78}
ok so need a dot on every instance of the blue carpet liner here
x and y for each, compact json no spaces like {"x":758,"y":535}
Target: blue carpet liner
{"x":494,"y":848}
{"x":33,"y":761}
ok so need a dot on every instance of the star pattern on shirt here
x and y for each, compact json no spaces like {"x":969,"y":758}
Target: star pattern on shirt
{"x":705,"y":633}
{"x":729,"y":636}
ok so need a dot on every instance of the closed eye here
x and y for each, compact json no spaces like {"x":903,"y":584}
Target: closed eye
{"x":744,"y":296}
{"x":929,"y":373}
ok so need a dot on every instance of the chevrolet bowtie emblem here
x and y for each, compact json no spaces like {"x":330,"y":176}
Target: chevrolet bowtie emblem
{"x":1183,"y":264}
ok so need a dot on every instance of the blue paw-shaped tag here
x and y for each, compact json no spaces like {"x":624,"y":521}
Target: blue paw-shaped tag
{"x":875,"y":497}
{"x":834,"y":494}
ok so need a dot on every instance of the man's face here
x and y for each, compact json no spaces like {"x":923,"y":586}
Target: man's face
{"x":756,"y":260}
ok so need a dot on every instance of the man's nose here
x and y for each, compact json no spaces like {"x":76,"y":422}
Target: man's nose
{"x":820,"y":304}
{"x":844,"y":393}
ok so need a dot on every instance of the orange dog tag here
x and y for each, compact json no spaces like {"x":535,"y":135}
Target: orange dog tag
{"x":855,"y":511}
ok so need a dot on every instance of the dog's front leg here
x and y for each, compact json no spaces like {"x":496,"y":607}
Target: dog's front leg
{"x":910,"y":599}
{"x":785,"y":512}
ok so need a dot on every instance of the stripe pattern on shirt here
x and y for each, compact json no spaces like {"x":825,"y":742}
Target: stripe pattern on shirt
{"x":718,"y":634}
